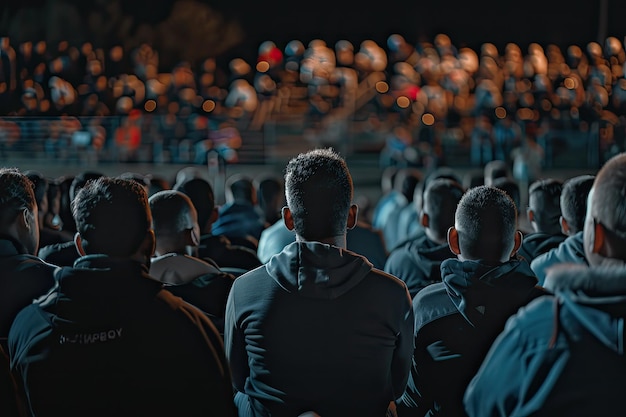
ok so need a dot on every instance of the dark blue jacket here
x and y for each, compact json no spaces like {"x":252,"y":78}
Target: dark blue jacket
{"x":455,"y":323}
{"x":561,"y":355}
{"x":418,"y":263}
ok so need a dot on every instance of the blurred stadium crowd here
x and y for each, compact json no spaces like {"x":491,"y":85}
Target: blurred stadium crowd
{"x":415,"y":99}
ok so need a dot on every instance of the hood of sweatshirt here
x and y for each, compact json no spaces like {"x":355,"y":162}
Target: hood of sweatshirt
{"x":595,"y":297}
{"x":477,"y":289}
{"x":176,"y":269}
{"x":318,"y":270}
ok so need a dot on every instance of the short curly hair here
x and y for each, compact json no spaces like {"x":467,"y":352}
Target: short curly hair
{"x":319,"y":191}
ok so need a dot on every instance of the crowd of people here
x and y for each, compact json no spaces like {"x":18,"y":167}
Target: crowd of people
{"x":113,"y":103}
{"x":135,"y":294}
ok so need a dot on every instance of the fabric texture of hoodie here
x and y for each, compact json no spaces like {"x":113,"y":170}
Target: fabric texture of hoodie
{"x":571,"y":250}
{"x":534,"y":244}
{"x":418,"y":263}
{"x":455,"y":323}
{"x":195,"y":281}
{"x":318,"y":329}
{"x":108,"y":341}
{"x":561,"y":355}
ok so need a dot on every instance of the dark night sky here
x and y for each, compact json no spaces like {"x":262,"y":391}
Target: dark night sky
{"x":470,"y":23}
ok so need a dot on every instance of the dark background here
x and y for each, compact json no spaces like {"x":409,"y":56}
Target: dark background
{"x":468,"y":23}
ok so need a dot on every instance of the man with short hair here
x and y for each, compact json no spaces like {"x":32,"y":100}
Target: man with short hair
{"x":544,"y":212}
{"x":318,"y":328}
{"x":573,"y":211}
{"x":175,"y":224}
{"x":24,"y":277}
{"x":418,"y":261}
{"x":216,"y":249}
{"x":563,"y":355}
{"x":457,"y":320}
{"x":108,"y":340}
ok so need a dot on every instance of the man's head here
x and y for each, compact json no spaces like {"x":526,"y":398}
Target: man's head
{"x":175,"y":222}
{"x":113,"y":217}
{"x":440,"y":200}
{"x":240,"y":189}
{"x":605,"y":222}
{"x":485,"y":226}
{"x":40,"y":184}
{"x":495,"y":169}
{"x":574,"y":203}
{"x":544,"y":205}
{"x":511,"y":187}
{"x":18,"y":209}
{"x":202,"y":196}
{"x":319,"y":190}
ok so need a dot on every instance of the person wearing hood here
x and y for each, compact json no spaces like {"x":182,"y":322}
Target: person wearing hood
{"x":107,"y":339}
{"x":563,"y":355}
{"x":318,"y":328}
{"x":418,"y":261}
{"x":457,"y":320}
{"x":175,"y":261}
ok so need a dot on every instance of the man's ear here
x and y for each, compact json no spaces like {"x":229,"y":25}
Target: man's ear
{"x":78,"y":242}
{"x":453,"y":241}
{"x":599,"y":237}
{"x":353,"y":215}
{"x":214,"y":215}
{"x":191,"y":238}
{"x":531,"y":215}
{"x":564,"y":226}
{"x":519,"y":238}
{"x":424,"y":219}
{"x":287,"y":219}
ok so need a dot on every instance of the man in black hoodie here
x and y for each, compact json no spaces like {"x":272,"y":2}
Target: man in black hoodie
{"x":318,"y":328}
{"x":457,"y":320}
{"x":108,"y":340}
{"x":418,"y":261}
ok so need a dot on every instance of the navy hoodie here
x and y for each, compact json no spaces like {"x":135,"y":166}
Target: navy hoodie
{"x":318,"y":329}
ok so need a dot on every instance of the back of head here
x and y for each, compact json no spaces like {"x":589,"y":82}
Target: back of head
{"x":81,"y":179}
{"x":201,"y":194}
{"x":607,"y":206}
{"x":486,"y":223}
{"x":16,"y":195}
{"x":574,"y":201}
{"x":271,"y":195}
{"x":112,"y":216}
{"x":544,"y":199}
{"x":511,"y":187}
{"x":441,"y":197}
{"x":406,"y":180}
{"x":40,"y":184}
{"x":240,"y":189}
{"x":172,"y":213}
{"x":319,"y":191}
{"x":495,"y":169}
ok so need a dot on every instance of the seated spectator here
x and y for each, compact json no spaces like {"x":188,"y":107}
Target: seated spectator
{"x":47,"y":235}
{"x":457,"y":320}
{"x":65,"y":253}
{"x":562,"y":355}
{"x":404,"y":185}
{"x":271,"y":198}
{"x":544,"y":212}
{"x":239,"y":219}
{"x":418,"y":261}
{"x":175,"y":224}
{"x":351,"y":322}
{"x":573,"y":212}
{"x":24,"y":276}
{"x":109,"y":334}
{"x":216,"y":249}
